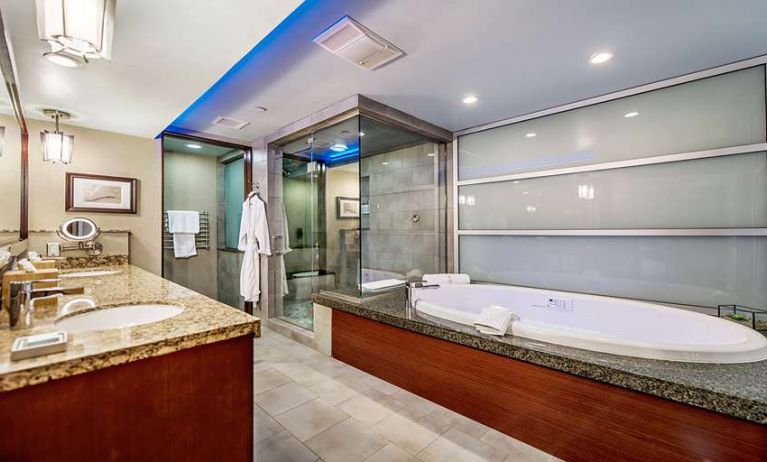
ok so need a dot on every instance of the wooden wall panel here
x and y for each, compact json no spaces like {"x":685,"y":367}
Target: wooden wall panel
{"x":573,"y":418}
{"x":191,"y":405}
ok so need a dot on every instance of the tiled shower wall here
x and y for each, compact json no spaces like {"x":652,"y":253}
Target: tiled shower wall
{"x":405,"y":224}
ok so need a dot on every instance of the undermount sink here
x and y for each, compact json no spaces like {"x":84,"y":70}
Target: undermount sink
{"x":118,"y":317}
{"x":88,"y":274}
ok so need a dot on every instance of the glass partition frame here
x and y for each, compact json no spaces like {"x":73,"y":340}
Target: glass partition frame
{"x":725,"y":151}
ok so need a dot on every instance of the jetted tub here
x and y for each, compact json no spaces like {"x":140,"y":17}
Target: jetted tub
{"x":605,"y":324}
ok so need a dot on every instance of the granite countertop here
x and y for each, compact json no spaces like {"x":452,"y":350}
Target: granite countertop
{"x":739,"y":390}
{"x":203,"y":321}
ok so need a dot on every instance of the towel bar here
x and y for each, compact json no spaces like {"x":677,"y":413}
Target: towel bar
{"x":201,"y":239}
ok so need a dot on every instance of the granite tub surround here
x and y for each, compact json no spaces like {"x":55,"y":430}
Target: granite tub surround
{"x":734,"y":389}
{"x":203,"y":321}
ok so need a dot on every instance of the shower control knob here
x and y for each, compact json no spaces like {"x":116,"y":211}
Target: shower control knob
{"x":416,"y":218}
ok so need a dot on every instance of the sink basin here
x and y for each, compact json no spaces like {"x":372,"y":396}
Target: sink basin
{"x":118,"y":317}
{"x":88,"y":274}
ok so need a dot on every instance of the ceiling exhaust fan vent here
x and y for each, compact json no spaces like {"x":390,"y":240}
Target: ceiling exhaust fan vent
{"x":357,"y":44}
{"x":230,"y":122}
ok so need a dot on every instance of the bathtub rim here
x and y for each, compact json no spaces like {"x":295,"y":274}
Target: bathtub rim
{"x":732,"y":353}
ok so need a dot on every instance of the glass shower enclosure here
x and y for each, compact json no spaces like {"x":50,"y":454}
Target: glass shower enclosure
{"x":358,"y":201}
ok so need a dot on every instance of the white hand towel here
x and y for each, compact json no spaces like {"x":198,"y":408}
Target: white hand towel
{"x":183,"y":221}
{"x":183,"y":225}
{"x":446,"y":278}
{"x":494,"y":320}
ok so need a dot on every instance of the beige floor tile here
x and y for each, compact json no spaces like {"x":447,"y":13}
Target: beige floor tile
{"x":284,"y":398}
{"x":269,"y":380}
{"x":381,"y":385}
{"x":414,"y":404}
{"x":456,"y":446}
{"x":405,"y":433}
{"x":283,"y":448}
{"x":326,"y":366}
{"x":259,"y":366}
{"x":333,"y":392}
{"x":349,"y":441}
{"x":365,"y":410}
{"x":391,"y":453}
{"x":310,"y":419}
{"x":299,"y":373}
{"x":265,"y":426}
{"x":517,"y":450}
{"x":460,"y":422}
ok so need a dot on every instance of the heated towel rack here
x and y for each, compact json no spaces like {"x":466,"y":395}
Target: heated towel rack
{"x":201,"y":239}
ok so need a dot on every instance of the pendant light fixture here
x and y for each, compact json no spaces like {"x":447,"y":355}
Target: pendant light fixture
{"x":57,"y":147}
{"x":77,"y":30}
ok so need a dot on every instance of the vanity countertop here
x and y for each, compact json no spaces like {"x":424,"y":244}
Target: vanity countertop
{"x":735,"y":389}
{"x":203,"y":321}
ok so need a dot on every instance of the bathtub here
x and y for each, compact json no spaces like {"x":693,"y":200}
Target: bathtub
{"x":605,"y":324}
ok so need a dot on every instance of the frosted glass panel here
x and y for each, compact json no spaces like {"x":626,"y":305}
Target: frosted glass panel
{"x":721,"y":192}
{"x":726,"y":110}
{"x":702,"y":271}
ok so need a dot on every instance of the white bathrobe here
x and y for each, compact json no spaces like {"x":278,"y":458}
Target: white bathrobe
{"x":254,"y":241}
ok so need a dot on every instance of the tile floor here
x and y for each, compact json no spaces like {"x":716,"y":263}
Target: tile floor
{"x":313,"y":408}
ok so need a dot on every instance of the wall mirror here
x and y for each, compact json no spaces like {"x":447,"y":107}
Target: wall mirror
{"x":11,"y":173}
{"x":78,"y":230}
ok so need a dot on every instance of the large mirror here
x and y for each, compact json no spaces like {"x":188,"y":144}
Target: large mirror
{"x":10,"y":177}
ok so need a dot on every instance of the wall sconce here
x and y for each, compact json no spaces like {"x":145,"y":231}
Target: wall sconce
{"x":57,"y":147}
{"x":77,"y":30}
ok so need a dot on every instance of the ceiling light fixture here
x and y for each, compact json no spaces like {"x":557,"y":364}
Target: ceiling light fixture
{"x":339,"y":147}
{"x":57,"y":147}
{"x":471,"y":99}
{"x":531,"y":135}
{"x":194,"y":146}
{"x":601,"y":57}
{"x":81,"y":28}
{"x":629,"y":115}
{"x":362,"y":133}
{"x":431,"y":154}
{"x":260,"y":109}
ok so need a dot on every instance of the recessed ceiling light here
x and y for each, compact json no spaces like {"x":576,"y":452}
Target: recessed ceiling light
{"x":531,"y":135}
{"x":193,"y":146}
{"x":384,"y":163}
{"x":259,"y":109}
{"x":601,"y":57}
{"x":339,"y":147}
{"x":431,"y":154}
{"x":362,"y":133}
{"x":630,"y":114}
{"x":471,"y":99}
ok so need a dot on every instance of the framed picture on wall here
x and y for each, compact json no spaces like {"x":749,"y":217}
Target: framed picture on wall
{"x":347,"y":207}
{"x":101,"y":193}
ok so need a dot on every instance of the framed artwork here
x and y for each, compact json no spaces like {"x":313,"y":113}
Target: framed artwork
{"x":101,"y":193}
{"x":347,"y":207}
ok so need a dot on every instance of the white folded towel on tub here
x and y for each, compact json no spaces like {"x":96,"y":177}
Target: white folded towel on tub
{"x":183,"y":225}
{"x":446,"y":278}
{"x":494,"y":320}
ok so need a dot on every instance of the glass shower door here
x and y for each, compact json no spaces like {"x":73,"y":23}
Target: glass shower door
{"x":299,"y":194}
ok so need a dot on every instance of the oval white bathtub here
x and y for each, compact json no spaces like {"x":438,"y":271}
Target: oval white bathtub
{"x":605,"y":324}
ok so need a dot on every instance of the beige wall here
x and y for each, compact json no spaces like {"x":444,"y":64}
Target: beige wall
{"x":106,"y":153}
{"x":10,"y":178}
{"x":341,"y":181}
{"x":190,"y":184}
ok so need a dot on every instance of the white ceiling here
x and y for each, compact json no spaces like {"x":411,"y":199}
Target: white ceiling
{"x":517,"y":56}
{"x":166,"y":53}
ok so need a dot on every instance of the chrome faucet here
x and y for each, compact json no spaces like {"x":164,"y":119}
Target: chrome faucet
{"x":22,"y":299}
{"x":411,"y":286}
